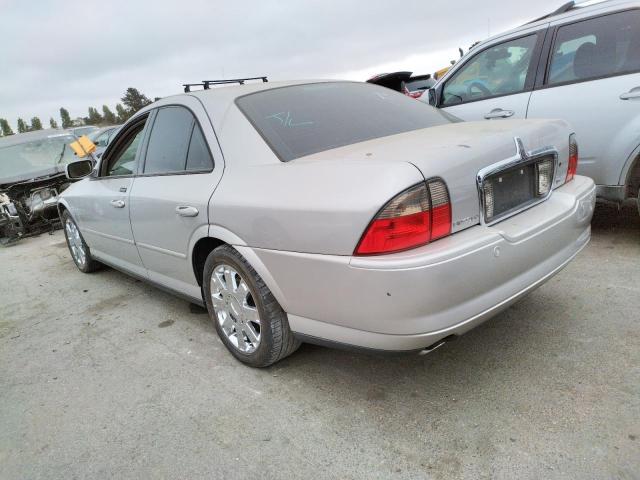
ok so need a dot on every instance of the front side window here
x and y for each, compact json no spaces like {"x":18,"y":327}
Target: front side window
{"x":498,"y":70}
{"x":124,"y":159}
{"x":594,"y":48}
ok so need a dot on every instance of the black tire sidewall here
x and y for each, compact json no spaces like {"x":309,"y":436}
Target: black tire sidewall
{"x":261,"y":355}
{"x":89,"y":264}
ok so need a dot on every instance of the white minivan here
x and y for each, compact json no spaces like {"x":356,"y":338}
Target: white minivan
{"x":582,"y":64}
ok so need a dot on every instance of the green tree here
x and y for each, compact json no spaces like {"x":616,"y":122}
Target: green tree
{"x":94,"y":117}
{"x":66,"y":118}
{"x":53,"y":123}
{"x":5,"y":127}
{"x":134,"y":100}
{"x":122,"y":114}
{"x":22,"y":127}
{"x":36,"y":124}
{"x":108,"y":116}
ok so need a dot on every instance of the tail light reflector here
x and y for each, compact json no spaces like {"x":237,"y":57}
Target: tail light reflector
{"x":413,"y":218}
{"x":573,"y":158}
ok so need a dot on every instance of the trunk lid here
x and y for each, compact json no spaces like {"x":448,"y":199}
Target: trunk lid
{"x":458,"y":152}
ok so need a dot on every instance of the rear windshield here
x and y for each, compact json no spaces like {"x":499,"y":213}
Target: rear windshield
{"x":305,"y":119}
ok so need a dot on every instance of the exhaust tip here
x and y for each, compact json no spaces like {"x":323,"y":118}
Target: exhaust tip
{"x":436,"y":345}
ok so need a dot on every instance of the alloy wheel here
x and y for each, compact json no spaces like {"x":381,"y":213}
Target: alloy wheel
{"x":75,"y":242}
{"x":235,"y":308}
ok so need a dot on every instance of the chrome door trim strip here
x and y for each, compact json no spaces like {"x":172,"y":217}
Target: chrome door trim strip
{"x":153,"y":248}
{"x":110,"y":237}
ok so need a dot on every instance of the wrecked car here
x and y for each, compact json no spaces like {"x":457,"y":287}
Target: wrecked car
{"x":404,"y":82}
{"x":32,"y":175}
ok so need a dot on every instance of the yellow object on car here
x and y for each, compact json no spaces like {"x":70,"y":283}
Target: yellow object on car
{"x":83,"y":146}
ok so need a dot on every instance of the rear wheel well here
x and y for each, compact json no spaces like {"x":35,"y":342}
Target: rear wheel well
{"x":633,"y":179}
{"x":201,"y":251}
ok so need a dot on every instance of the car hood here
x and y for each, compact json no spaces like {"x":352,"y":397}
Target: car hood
{"x":45,"y":174}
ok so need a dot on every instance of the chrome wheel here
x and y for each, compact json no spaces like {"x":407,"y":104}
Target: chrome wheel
{"x":75,"y":243}
{"x":235,"y":308}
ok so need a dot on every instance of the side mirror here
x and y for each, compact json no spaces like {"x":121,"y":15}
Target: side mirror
{"x":79,"y":169}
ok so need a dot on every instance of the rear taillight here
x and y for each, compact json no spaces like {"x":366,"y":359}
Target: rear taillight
{"x":573,"y":158}
{"x":413,"y":218}
{"x":440,"y":210}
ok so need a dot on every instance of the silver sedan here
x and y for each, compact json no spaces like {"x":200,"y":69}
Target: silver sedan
{"x":338,"y":213}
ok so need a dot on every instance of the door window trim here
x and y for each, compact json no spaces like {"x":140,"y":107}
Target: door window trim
{"x":117,"y":142}
{"x":195,"y":122}
{"x":531,"y":72}
{"x":543,"y":78}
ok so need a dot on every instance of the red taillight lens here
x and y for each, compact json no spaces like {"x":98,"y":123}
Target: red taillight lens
{"x":573,"y":158}
{"x":411,"y":219}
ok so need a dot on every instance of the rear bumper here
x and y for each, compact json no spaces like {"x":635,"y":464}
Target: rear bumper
{"x":410,"y":300}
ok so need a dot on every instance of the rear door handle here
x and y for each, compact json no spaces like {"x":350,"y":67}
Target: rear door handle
{"x":499,"y":113}
{"x":633,"y":93}
{"x":117,"y":203}
{"x":186,"y":211}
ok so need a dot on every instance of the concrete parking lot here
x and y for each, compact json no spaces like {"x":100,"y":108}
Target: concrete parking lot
{"x":102,"y":376}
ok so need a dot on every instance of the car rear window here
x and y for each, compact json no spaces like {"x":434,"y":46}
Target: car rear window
{"x":304,"y":119}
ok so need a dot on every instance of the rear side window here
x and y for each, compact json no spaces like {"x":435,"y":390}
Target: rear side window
{"x":304,"y":119}
{"x":198,"y":156}
{"x":598,"y":47}
{"x":169,"y":141}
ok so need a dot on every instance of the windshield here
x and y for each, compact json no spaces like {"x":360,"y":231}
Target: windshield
{"x":80,"y":131}
{"x":35,"y":156}
{"x":305,"y":119}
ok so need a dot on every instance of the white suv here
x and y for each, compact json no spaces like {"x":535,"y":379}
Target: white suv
{"x":581,"y":64}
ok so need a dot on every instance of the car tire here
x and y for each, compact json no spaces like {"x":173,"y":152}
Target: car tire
{"x":233,"y":308}
{"x":78,"y":248}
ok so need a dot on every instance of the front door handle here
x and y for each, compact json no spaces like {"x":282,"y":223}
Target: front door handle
{"x":499,"y":113}
{"x":633,"y":93}
{"x":186,"y":211}
{"x":117,"y":203}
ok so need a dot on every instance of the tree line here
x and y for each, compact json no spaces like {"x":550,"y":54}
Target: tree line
{"x":132,"y":101}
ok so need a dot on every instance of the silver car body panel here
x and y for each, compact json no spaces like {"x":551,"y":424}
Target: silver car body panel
{"x":410,"y":300}
{"x":607,"y":126}
{"x":297,"y":223}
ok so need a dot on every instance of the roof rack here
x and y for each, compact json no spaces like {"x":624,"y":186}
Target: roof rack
{"x":207,"y":83}
{"x":563,"y":9}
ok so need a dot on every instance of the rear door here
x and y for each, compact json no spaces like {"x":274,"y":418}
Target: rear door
{"x":104,"y":210}
{"x":170,"y":196}
{"x":592,"y":79}
{"x":496,"y":82}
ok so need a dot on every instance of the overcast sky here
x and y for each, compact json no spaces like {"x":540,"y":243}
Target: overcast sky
{"x":78,"y":54}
